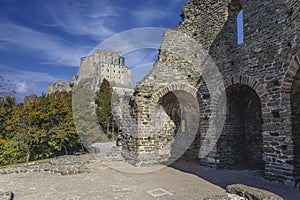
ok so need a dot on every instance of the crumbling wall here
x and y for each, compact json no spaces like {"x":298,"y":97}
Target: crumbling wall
{"x":263,"y":62}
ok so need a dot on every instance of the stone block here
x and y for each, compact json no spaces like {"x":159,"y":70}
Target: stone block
{"x":6,"y":195}
{"x":251,"y":193}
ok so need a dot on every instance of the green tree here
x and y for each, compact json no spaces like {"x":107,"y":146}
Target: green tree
{"x":7,"y":105}
{"x":103,"y":101}
{"x":64,"y":138}
{"x":40,"y":129}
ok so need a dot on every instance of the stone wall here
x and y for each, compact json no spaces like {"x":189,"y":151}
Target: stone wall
{"x":103,"y":64}
{"x":106,"y":64}
{"x":266,"y":63}
{"x":60,"y":86}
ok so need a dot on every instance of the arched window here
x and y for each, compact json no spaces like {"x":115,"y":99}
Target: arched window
{"x":240,"y":27}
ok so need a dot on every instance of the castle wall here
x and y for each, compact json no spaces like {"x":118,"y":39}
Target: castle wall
{"x":103,"y":64}
{"x":108,"y":65}
{"x":266,"y":62}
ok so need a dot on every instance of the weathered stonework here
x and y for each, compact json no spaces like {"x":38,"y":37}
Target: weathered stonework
{"x":103,"y":64}
{"x":109,"y":65}
{"x":60,"y":86}
{"x":261,"y":83}
{"x":251,"y":192}
{"x":6,"y":195}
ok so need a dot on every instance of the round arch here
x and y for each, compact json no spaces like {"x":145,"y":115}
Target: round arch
{"x":291,"y":86}
{"x":246,"y":80}
{"x":286,"y":86}
{"x":241,"y":141}
{"x":174,"y":87}
{"x":175,"y":114}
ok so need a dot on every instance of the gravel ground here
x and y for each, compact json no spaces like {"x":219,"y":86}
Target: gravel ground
{"x":225,"y":177}
{"x":112,"y":180}
{"x":104,"y":183}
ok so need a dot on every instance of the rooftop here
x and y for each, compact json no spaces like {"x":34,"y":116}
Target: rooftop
{"x":108,"y":53}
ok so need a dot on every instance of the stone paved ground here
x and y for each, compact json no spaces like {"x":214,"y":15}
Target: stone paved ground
{"x":253,"y":178}
{"x":105,"y":183}
{"x":184,"y":180}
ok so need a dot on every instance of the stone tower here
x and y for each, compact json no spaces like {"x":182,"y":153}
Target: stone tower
{"x":103,"y":64}
{"x":109,"y":65}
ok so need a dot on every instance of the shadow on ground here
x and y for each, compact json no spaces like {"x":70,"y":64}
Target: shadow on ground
{"x":226,"y":177}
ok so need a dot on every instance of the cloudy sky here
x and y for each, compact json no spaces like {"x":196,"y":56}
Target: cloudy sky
{"x":41,"y":41}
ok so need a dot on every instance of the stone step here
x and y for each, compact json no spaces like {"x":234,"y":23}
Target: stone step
{"x":6,"y":195}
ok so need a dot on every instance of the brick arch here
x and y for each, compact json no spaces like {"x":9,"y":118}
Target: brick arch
{"x":288,"y":78}
{"x":242,"y":143}
{"x":290,"y":101}
{"x":233,"y":80}
{"x":246,"y":80}
{"x":218,"y":103}
{"x":173,"y":87}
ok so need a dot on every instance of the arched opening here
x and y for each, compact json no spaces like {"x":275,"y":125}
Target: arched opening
{"x":171,"y":106}
{"x":295,"y":105}
{"x":177,"y":120}
{"x":241,"y":142}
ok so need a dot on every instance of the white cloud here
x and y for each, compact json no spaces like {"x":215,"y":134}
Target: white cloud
{"x":21,"y":75}
{"x":27,"y":82}
{"x":53,"y":49}
{"x":134,"y":39}
{"x":21,"y":87}
{"x":140,"y":57}
{"x":141,"y":62}
{"x":83,"y":17}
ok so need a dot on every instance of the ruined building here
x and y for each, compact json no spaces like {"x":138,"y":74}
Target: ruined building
{"x":103,"y":64}
{"x":260,"y":79}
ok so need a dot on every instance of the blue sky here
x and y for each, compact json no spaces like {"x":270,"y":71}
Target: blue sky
{"x":41,"y":41}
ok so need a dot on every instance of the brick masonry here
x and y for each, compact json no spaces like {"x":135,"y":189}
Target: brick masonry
{"x":261,"y":83}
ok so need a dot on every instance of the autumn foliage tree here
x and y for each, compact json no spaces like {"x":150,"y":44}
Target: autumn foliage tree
{"x":40,"y":129}
{"x":43,"y":127}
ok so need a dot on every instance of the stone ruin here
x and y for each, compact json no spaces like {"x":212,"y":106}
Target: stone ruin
{"x":101,"y":65}
{"x":260,"y":79}
{"x":178,"y":109}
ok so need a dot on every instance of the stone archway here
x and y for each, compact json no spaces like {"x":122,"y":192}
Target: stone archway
{"x":241,"y":142}
{"x":176,"y":124}
{"x":290,"y":95}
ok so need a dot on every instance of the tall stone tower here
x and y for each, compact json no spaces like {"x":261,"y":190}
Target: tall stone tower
{"x":103,"y":64}
{"x":107,"y":65}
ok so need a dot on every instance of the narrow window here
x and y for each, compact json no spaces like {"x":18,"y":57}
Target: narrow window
{"x":240,"y":28}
